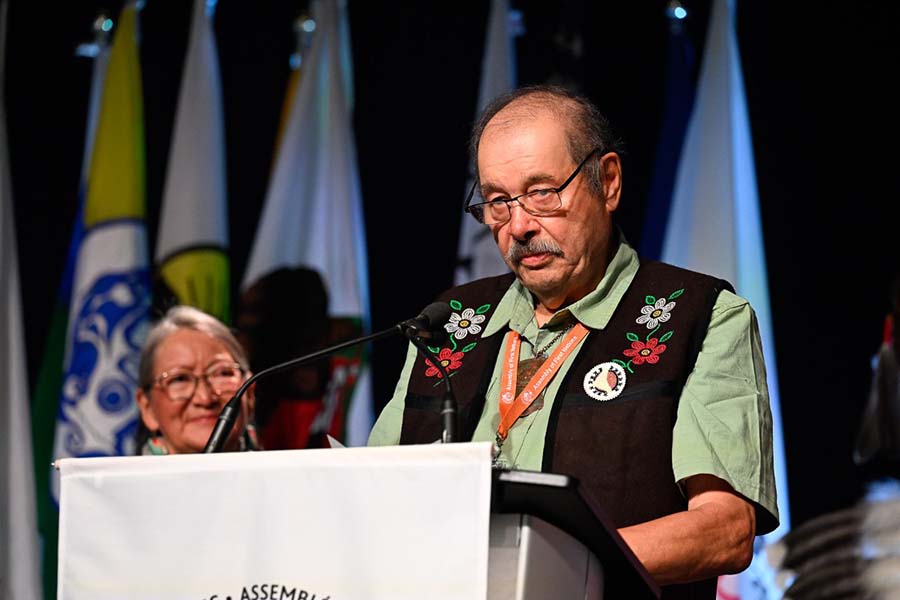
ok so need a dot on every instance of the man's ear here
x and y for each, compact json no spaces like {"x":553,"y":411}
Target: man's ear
{"x":147,"y":414}
{"x":611,"y":178}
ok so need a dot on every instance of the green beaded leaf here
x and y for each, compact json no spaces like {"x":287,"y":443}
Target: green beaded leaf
{"x":650,"y":299}
{"x":632,"y":336}
{"x":676,"y":293}
{"x":666,"y":336}
{"x":468,"y":347}
{"x":456,"y":305}
{"x":482,"y":309}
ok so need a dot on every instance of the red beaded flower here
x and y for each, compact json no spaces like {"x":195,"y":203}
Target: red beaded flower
{"x":641,"y":352}
{"x":449,"y":360}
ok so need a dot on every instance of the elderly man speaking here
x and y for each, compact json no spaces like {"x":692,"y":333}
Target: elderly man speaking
{"x":643,"y":380}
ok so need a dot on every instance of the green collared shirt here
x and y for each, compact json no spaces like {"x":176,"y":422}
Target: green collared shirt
{"x":723,"y":425}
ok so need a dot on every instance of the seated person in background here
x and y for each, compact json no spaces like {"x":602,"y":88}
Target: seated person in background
{"x":191,"y":365}
{"x":284,"y":315}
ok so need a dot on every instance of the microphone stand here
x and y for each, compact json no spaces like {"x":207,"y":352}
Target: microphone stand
{"x":448,"y":406}
{"x":229,"y":414}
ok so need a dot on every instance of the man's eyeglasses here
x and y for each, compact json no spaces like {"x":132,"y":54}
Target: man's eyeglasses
{"x":180,"y":384}
{"x":539,"y":203}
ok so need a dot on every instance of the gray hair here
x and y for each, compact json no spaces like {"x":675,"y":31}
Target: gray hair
{"x":586,"y":127}
{"x":185,"y":317}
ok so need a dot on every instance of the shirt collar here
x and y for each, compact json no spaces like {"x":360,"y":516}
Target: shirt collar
{"x":516,"y":308}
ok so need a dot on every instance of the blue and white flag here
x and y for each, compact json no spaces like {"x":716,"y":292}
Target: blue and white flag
{"x":45,"y":403}
{"x":110,"y":300}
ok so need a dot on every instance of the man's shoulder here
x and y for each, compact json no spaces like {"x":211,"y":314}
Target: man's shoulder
{"x":662,"y":269}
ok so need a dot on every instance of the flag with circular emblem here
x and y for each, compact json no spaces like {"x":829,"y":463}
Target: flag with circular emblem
{"x":191,"y":247}
{"x":110,"y":298}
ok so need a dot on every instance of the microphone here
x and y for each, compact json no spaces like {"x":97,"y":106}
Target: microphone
{"x":428,"y":325}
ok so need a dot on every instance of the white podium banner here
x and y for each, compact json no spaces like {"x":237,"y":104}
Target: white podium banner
{"x":342,"y":524}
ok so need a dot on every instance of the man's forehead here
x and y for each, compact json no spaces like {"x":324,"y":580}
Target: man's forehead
{"x":534,"y":148}
{"x":521,"y":114}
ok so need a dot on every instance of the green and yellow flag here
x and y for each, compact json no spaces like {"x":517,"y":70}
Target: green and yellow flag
{"x":191,"y":249}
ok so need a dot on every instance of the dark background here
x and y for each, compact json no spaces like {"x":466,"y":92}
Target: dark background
{"x":820,"y":80}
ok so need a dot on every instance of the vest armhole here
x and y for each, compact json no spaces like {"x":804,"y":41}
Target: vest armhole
{"x":698,"y":335}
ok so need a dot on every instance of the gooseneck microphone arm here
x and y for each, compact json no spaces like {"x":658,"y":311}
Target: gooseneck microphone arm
{"x":229,"y":414}
{"x":428,"y":325}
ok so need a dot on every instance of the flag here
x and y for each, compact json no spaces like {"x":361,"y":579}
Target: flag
{"x":478,"y":256}
{"x":312,"y":215}
{"x":19,"y":551}
{"x":110,"y":300}
{"x":716,"y":205}
{"x":679,"y":99}
{"x":304,"y":27}
{"x":191,"y":248}
{"x":45,"y":403}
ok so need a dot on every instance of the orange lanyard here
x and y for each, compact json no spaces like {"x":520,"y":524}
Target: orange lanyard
{"x":511,"y":406}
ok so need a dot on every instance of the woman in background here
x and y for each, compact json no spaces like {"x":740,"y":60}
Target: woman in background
{"x":190,"y":366}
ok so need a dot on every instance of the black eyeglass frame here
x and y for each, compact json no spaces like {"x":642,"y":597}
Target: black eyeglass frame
{"x":472,"y":208}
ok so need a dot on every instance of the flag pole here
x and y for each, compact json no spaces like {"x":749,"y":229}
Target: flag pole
{"x":96,"y":50}
{"x":304,"y":28}
{"x":102,"y":25}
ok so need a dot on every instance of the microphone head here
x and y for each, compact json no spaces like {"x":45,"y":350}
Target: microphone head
{"x":429,"y":325}
{"x":435,"y":315}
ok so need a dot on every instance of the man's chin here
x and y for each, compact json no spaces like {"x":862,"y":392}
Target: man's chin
{"x":541,"y":282}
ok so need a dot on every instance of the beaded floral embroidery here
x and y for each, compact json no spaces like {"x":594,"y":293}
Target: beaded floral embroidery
{"x":449,"y":359}
{"x":462,"y":323}
{"x":656,"y":311}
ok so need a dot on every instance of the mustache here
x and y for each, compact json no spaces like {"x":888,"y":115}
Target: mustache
{"x":520,"y":250}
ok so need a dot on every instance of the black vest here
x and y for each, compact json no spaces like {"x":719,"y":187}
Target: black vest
{"x":620,"y":449}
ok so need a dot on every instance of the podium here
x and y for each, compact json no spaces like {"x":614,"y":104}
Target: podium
{"x":567,"y":547}
{"x":345,"y":524}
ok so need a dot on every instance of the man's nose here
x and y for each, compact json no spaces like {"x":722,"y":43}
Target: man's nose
{"x":522,"y":225}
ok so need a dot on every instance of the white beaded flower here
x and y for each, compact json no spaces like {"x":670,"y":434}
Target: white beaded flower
{"x":462,"y":325}
{"x":654,"y":314}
